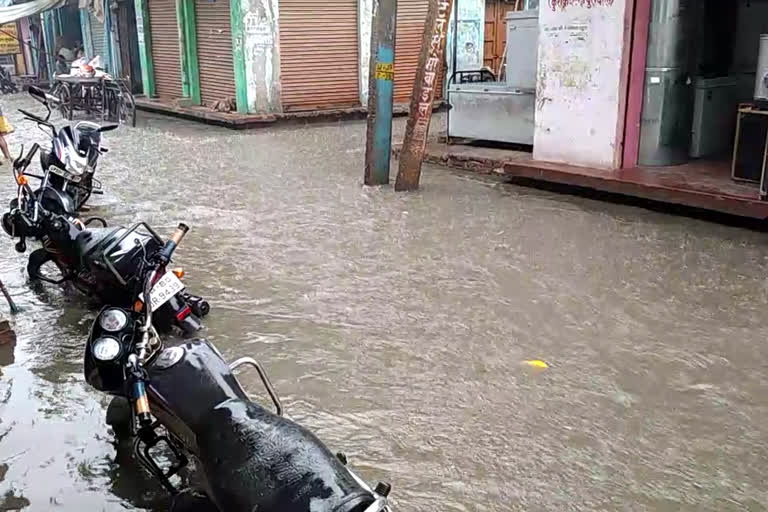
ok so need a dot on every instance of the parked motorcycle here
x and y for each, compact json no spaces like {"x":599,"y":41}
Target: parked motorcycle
{"x":70,"y":165}
{"x":103,"y":262}
{"x":188,"y":399}
{"x":7,"y":85}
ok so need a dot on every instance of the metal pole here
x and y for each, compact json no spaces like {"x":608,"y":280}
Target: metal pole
{"x":11,"y":304}
{"x":431,"y":61}
{"x":378,"y":148}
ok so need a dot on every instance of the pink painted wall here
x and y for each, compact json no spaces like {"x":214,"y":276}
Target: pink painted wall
{"x":584,"y":56}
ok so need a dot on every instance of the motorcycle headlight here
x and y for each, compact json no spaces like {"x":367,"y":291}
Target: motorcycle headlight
{"x":106,"y":349}
{"x":113,"y":320}
{"x":76,"y":166}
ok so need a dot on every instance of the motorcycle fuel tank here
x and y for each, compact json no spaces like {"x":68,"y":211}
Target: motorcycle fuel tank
{"x":253,"y":459}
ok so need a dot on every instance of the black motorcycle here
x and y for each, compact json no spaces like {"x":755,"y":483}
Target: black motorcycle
{"x":7,"y":85}
{"x":70,"y":165}
{"x":102,"y":262}
{"x":187,"y":399}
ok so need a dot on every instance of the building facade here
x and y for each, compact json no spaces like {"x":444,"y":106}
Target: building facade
{"x":104,"y":28}
{"x":269,"y":56}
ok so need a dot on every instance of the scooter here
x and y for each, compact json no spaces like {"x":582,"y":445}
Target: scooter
{"x":70,"y":164}
{"x":188,"y":399}
{"x":102,"y":262}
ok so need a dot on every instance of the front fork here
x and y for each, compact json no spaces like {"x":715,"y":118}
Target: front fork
{"x":147,"y":437}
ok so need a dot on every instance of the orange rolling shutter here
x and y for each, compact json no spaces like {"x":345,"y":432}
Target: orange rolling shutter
{"x":319,"y":54}
{"x":410,"y":32}
{"x":165,"y":48}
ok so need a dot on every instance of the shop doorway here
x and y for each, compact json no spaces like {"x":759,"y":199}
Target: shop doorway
{"x":693,"y":69}
{"x":68,"y":30}
{"x":495,"y":31}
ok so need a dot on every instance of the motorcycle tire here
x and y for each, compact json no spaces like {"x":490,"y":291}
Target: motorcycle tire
{"x":40,"y":257}
{"x":37,"y":259}
{"x":119,"y":417}
{"x":188,"y":501}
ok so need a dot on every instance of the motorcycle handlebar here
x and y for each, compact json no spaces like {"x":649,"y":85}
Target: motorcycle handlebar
{"x":31,"y":116}
{"x":28,"y":159}
{"x":164,"y":256}
{"x":39,"y":120}
{"x":178,"y":235}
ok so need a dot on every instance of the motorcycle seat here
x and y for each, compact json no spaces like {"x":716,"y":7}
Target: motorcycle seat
{"x":255,"y":460}
{"x":90,"y":239}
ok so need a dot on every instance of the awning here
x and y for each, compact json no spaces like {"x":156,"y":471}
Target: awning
{"x":16,"y":12}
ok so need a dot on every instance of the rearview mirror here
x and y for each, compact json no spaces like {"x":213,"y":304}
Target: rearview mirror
{"x":38,"y":94}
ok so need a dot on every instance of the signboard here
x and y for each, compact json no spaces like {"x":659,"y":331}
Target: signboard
{"x":9,"y":42}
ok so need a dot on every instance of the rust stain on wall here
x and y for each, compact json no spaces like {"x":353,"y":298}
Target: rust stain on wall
{"x":563,"y":4}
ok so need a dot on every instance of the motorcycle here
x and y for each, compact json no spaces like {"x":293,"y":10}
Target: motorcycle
{"x":7,"y":85}
{"x":70,"y":165}
{"x":188,"y":399}
{"x":103,"y":262}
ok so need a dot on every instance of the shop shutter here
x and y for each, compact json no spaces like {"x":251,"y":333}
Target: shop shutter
{"x":319,"y":54}
{"x":165,"y":48}
{"x":98,"y":37}
{"x":411,"y":15}
{"x":214,"y":50}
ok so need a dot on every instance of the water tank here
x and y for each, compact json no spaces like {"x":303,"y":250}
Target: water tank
{"x":670,"y":33}
{"x":761,"y":88}
{"x":665,"y":127}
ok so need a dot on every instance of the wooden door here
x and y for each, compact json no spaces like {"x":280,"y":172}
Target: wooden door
{"x":495,"y":33}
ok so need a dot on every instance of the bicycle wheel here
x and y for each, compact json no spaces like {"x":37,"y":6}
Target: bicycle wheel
{"x":127,"y":109}
{"x":64,"y":105}
{"x":111,"y":106}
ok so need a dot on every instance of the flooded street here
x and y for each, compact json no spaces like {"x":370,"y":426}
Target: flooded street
{"x":395,"y":326}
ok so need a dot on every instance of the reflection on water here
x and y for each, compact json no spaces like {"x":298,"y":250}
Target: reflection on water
{"x":394,"y":325}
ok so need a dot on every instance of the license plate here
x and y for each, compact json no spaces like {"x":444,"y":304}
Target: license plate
{"x":163,"y":290}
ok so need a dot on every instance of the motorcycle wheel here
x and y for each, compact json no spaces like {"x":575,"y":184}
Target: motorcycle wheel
{"x":188,"y":501}
{"x":119,"y":417}
{"x":64,"y":103}
{"x":37,"y":259}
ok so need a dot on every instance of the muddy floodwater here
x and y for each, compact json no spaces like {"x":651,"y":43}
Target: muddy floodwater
{"x":395,"y":326}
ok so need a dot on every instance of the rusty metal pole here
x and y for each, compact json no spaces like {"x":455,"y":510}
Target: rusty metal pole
{"x":430,"y":64}
{"x":12,"y":305}
{"x":378,"y":149}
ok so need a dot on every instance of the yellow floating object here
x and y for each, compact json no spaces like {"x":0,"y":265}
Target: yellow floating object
{"x":536,"y":364}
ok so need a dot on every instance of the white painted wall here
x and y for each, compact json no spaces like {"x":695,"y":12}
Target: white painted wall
{"x":580,"y":90}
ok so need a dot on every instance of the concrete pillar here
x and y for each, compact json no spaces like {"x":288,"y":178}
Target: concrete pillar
{"x":364,"y":27}
{"x":145,"y":48}
{"x":584,"y":54}
{"x":261,"y":53}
